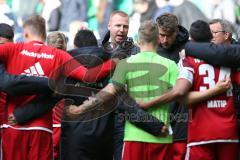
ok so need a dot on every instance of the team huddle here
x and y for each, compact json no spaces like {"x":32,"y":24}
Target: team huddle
{"x":146,"y":101}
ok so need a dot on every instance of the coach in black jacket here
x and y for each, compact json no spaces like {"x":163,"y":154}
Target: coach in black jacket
{"x":172,"y":40}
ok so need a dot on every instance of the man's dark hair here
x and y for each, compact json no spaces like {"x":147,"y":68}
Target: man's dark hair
{"x":6,"y":31}
{"x":85,"y":38}
{"x":168,"y":22}
{"x":200,"y":31}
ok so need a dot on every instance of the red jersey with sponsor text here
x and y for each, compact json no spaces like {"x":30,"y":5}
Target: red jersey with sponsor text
{"x":35,"y":59}
{"x":213,"y":120}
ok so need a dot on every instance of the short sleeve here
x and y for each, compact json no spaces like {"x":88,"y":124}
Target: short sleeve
{"x":185,"y":70}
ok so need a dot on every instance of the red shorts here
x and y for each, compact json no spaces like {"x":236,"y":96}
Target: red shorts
{"x":0,"y":142}
{"x":26,"y":144}
{"x":56,"y":141}
{"x":145,"y":151}
{"x":57,"y":119}
{"x":213,"y":151}
{"x":179,"y":150}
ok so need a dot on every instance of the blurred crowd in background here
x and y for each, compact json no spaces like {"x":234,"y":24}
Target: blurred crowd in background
{"x":69,"y":16}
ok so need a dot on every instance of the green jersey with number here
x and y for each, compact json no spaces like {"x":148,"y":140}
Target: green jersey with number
{"x":146,"y":75}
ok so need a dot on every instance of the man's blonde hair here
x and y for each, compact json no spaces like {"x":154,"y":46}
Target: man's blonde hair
{"x":57,"y":39}
{"x":148,"y":32}
{"x":118,"y":12}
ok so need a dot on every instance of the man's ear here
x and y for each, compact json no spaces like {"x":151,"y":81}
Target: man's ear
{"x":227,"y":35}
{"x":25,"y":35}
{"x":177,"y":30}
{"x":139,"y":42}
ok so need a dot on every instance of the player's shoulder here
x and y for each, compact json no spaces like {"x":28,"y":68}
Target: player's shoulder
{"x":13,"y":44}
{"x":165,"y":61}
{"x":192,"y":61}
{"x":53,"y":50}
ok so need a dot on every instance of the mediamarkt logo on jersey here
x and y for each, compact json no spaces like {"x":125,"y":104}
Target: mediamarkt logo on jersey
{"x":37,"y":55}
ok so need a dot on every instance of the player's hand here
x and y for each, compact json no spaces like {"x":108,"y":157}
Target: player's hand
{"x":12,"y":120}
{"x":164,"y":131}
{"x":223,"y":85}
{"x":143,"y":104}
{"x":72,"y":111}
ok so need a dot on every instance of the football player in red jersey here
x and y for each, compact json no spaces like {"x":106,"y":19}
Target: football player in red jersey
{"x":6,"y":35}
{"x":34,"y":58}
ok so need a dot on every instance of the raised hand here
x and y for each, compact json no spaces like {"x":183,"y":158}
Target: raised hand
{"x":164,"y":131}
